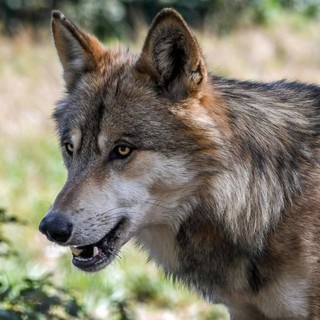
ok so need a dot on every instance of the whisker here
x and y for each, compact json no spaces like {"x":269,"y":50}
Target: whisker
{"x":110,"y":210}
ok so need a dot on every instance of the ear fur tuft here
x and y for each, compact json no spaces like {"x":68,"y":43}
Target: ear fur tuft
{"x":172,"y":55}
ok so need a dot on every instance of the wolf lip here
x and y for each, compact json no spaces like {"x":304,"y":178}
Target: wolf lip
{"x":96,"y":256}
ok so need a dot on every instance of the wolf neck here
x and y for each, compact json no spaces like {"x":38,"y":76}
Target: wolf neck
{"x":207,"y":256}
{"x":262,"y":154}
{"x":201,"y":253}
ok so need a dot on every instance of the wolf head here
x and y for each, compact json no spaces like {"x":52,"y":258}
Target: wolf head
{"x":133,"y":131}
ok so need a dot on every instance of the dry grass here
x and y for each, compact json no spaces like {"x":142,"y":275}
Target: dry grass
{"x":288,"y":50}
{"x":31,"y":170}
{"x":30,"y":83}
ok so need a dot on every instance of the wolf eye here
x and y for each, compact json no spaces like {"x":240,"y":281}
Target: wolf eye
{"x":123,"y":151}
{"x":120,"y":152}
{"x":69,"y":148}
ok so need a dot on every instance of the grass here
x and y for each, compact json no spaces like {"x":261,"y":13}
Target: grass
{"x":32,"y":172}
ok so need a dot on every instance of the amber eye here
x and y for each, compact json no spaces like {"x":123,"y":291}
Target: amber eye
{"x":120,"y":152}
{"x":123,"y":151}
{"x":69,"y":148}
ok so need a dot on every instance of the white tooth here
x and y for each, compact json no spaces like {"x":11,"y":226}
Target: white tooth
{"x":95,"y":251}
{"x":82,"y":259}
{"x":75,"y":250}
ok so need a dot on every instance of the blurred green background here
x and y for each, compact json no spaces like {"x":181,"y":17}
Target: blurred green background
{"x":255,"y":39}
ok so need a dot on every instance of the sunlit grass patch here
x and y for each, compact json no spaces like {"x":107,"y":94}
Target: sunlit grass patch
{"x":31,"y":172}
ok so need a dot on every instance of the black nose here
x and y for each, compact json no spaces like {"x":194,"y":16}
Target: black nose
{"x":56,"y":227}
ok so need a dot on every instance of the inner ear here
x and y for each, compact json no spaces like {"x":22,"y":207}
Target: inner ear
{"x":171,"y":55}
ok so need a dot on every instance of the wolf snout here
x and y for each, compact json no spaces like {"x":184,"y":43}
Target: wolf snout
{"x":57,"y":227}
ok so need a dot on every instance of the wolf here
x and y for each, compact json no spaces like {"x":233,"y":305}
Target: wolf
{"x":217,"y":179}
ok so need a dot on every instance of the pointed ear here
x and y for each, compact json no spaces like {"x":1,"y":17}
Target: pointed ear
{"x":78,"y":51}
{"x":172,"y":56}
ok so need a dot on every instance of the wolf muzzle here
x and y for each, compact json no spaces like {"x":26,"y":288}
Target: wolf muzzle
{"x":57,"y":227}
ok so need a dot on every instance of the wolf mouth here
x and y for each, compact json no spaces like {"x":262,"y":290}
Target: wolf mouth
{"x":96,"y":256}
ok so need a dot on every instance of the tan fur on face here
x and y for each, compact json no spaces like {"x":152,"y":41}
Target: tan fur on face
{"x":76,"y":135}
{"x":216,"y":109}
{"x":143,"y":162}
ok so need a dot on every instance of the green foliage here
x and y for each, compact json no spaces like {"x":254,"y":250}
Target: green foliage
{"x":5,"y":249}
{"x":217,"y":314}
{"x":105,"y":19}
{"x":121,"y":310}
{"x":38,"y":299}
{"x":33,"y":298}
{"x":4,"y":218}
{"x":265,"y":11}
{"x":117,"y":18}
